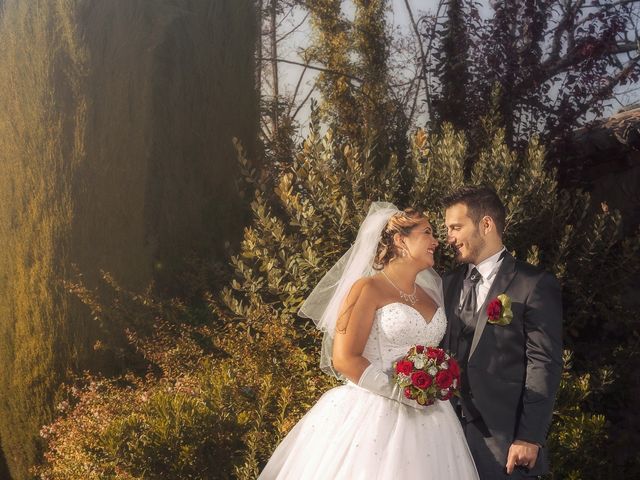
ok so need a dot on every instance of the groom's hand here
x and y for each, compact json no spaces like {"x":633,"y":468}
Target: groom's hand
{"x":522,"y":454}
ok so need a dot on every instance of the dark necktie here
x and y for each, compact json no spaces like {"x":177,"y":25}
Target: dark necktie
{"x":470,"y":302}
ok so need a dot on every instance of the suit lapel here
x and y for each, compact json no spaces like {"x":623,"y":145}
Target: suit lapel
{"x":504,"y":276}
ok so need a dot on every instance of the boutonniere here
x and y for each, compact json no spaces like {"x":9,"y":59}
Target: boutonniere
{"x":499,"y":310}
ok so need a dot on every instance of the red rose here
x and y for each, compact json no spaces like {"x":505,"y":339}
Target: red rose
{"x":494,"y":309}
{"x":421,"y":380}
{"x":408,"y":393}
{"x":436,"y":353}
{"x":444,"y":379}
{"x":454,"y":368}
{"x":405,"y":367}
{"x":419,"y":348}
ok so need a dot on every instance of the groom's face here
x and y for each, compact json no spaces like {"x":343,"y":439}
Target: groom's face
{"x":463,"y":234}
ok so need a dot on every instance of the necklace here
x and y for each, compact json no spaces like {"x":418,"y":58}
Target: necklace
{"x":405,"y":297}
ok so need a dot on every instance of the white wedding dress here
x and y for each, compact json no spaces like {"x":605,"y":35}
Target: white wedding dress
{"x":353,"y":434}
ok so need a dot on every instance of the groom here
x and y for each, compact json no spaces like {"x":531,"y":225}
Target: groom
{"x":511,"y":365}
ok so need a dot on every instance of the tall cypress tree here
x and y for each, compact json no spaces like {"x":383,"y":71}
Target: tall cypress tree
{"x":41,"y":108}
{"x":357,"y":99}
{"x":117,"y":128}
{"x":453,"y":68}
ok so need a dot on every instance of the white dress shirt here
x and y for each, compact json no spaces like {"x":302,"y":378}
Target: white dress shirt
{"x":488,"y":269}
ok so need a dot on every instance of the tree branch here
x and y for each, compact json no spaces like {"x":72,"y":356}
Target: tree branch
{"x":561,"y":28}
{"x":625,"y":48}
{"x":295,"y":92}
{"x":294,"y":29}
{"x":619,"y":3}
{"x":266,"y":131}
{"x":284,"y":17}
{"x":423,"y":59}
{"x":312,"y":67}
{"x":432,"y":37}
{"x":572,"y":57}
{"x":606,"y":89}
{"x":295,"y":114}
{"x":274,"y":67}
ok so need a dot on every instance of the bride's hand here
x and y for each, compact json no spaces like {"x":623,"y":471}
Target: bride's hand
{"x":522,"y":454}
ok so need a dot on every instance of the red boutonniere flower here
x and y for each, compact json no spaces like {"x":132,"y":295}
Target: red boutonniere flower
{"x":499,"y":310}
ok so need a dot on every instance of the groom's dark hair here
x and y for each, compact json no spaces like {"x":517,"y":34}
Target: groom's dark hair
{"x":481,"y":201}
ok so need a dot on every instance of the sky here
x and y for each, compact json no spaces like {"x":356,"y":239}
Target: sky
{"x":398,"y":19}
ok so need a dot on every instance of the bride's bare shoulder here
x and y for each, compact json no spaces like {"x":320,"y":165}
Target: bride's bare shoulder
{"x":366,"y":288}
{"x":368,"y":283}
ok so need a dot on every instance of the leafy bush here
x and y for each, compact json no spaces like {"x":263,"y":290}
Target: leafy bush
{"x":251,"y":371}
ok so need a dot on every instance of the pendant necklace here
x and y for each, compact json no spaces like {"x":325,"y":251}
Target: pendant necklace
{"x":405,"y":297}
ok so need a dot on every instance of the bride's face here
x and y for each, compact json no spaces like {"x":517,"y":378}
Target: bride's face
{"x":420,"y":244}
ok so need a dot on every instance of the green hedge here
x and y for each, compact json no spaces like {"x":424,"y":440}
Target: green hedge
{"x":117,"y":126}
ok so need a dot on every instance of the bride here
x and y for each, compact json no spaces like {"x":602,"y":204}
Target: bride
{"x":378,"y":300}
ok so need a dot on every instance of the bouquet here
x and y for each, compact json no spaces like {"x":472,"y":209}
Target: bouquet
{"x":427,"y":374}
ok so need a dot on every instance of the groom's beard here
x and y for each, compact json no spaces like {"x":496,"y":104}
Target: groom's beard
{"x":475,"y":245}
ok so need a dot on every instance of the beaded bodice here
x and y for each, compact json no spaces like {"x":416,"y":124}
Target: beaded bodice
{"x":398,"y":326}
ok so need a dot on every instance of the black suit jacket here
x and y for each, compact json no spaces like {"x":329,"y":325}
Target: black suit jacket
{"x":514,"y":370}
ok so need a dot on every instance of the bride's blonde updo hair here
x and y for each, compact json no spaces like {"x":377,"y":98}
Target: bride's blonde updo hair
{"x":402,"y":223}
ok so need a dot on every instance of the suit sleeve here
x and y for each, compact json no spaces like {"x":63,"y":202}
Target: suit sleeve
{"x":543,"y":331}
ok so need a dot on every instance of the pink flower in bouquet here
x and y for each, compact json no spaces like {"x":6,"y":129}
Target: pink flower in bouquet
{"x":419,"y":348}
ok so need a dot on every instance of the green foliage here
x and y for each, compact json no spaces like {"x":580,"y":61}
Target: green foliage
{"x":208,"y":406}
{"x":320,"y":202}
{"x":577,"y":430}
{"x":117,"y":155}
{"x":220,"y":387}
{"x":264,"y":358}
{"x":357,"y":101}
{"x":135,"y":428}
{"x":35,"y":214}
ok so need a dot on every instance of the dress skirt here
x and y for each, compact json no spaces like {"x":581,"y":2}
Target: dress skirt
{"x":353,"y":434}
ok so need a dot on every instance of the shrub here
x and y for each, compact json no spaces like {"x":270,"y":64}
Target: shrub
{"x":262,"y":359}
